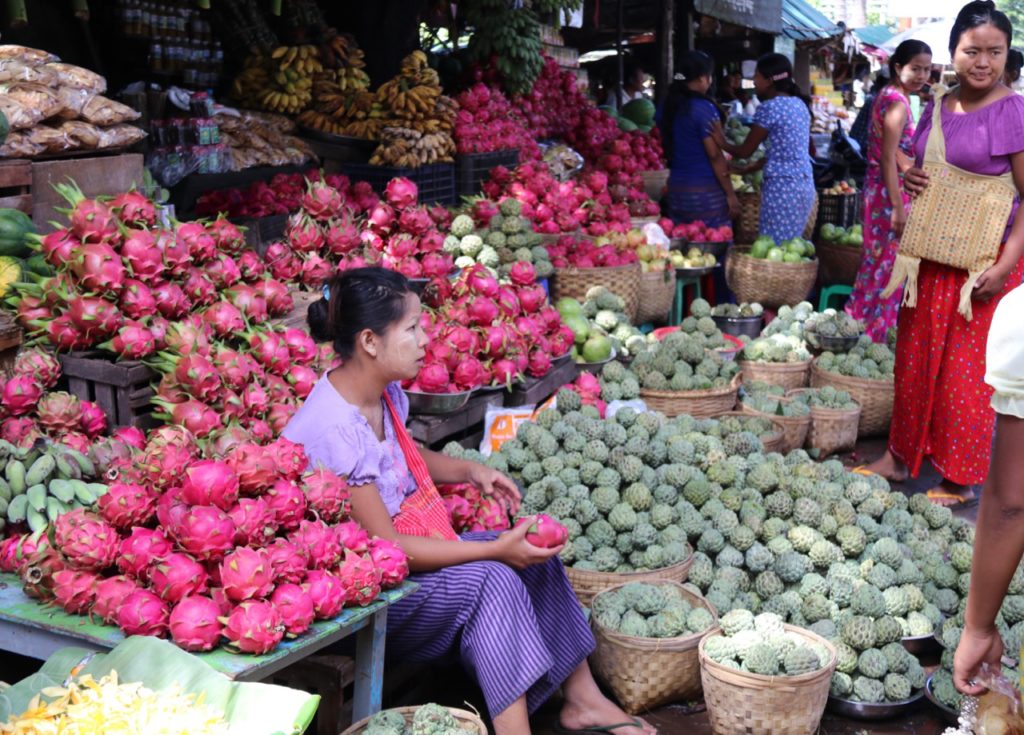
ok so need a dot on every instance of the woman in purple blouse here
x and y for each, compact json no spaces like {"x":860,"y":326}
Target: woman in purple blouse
{"x":498,"y":604}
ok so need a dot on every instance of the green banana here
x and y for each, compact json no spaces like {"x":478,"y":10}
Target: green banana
{"x":82,"y":492}
{"x":54,"y":508}
{"x":36,"y":520}
{"x":17,"y":509}
{"x":61,"y":489}
{"x":31,"y":456}
{"x":41,"y":470}
{"x":98,"y":489}
{"x":15,"y":473}
{"x":66,"y":468}
{"x":37,"y":497}
{"x":3,"y":508}
{"x":85,"y":465}
{"x":5,"y":490}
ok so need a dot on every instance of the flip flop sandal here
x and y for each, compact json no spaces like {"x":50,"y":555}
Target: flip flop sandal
{"x":959,"y":501}
{"x":602,"y":730}
{"x":865,"y":472}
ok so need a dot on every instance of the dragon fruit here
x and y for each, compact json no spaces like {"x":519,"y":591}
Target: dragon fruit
{"x":21,"y":394}
{"x":59,"y":247}
{"x":201,"y":245}
{"x":86,"y":540}
{"x":209,"y":482}
{"x":302,"y":379}
{"x":112,"y":457}
{"x":353,"y":537}
{"x":37,"y":572}
{"x":254,"y":467}
{"x":321,"y":201}
{"x":304,"y":234}
{"x":77,"y":441}
{"x":320,"y":543}
{"x":255,"y":523}
{"x":124,"y":506}
{"x":360,"y":578}
{"x":544,"y":531}
{"x":194,"y":415}
{"x":289,"y":457}
{"x":205,"y":532}
{"x":522,"y":273}
{"x":144,"y":258}
{"x":279,"y":300}
{"x":133,"y":436}
{"x":177,"y":576}
{"x":228,"y":236}
{"x":134,"y":208}
{"x":137,"y":300}
{"x":287,"y":560}
{"x":301,"y":346}
{"x":401,"y":192}
{"x":391,"y":560}
{"x":110,"y":595}
{"x":143,"y":613}
{"x":326,"y":592}
{"x":224,"y":318}
{"x":283,"y":263}
{"x":39,"y":365}
{"x":95,"y":318}
{"x":326,"y":494}
{"x":22,"y":432}
{"x":255,"y":400}
{"x":93,"y":420}
{"x":194,"y":623}
{"x":9,"y":556}
{"x":254,"y":627}
{"x":470,"y":373}
{"x":133,"y":341}
{"x":270,"y":350}
{"x":288,"y":503}
{"x":74,"y":590}
{"x":295,"y":606}
{"x":251,"y":266}
{"x":99,"y":269}
{"x":140,"y":550}
{"x":245,"y":573}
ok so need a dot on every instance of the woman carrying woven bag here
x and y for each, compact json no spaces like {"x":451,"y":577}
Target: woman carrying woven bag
{"x":498,"y":604}
{"x":942,"y":407}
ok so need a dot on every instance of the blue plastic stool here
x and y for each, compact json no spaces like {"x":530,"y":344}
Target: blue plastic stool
{"x":830,"y":292}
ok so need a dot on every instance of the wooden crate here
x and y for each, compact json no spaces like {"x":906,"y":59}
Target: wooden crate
{"x":122,"y":389}
{"x":16,"y":185}
{"x":296,"y":318}
{"x":10,"y":342}
{"x":535,"y":391}
{"x":433,"y":431}
{"x":331,"y":676}
{"x":95,"y":176}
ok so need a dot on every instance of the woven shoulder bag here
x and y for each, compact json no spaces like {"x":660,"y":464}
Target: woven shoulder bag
{"x":958,"y":220}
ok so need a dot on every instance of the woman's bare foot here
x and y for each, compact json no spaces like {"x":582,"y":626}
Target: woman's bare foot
{"x":950,"y":494}
{"x":889,"y":467}
{"x":601,"y":712}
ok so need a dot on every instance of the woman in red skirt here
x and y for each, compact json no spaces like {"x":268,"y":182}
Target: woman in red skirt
{"x":942,"y":409}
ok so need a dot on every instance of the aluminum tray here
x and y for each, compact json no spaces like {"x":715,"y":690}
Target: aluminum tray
{"x":949,"y":714}
{"x":869,"y":711}
{"x":435,"y":403}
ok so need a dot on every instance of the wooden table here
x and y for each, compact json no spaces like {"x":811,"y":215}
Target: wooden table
{"x":37,"y":631}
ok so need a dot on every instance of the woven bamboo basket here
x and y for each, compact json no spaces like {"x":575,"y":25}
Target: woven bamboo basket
{"x":655,"y":296}
{"x":701,"y":404}
{"x":644,"y":673}
{"x":767,"y":282}
{"x":839,"y":263}
{"x":741,"y":703}
{"x":655,"y":183}
{"x":832,"y":429}
{"x":789,"y":375}
{"x":468,"y":722}
{"x":808,"y":232}
{"x":586,"y":584}
{"x":747,"y":226}
{"x":794,"y":428}
{"x":623,"y":281}
{"x":875,"y":397}
{"x":776,"y":442}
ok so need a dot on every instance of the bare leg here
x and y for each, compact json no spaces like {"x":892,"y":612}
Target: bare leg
{"x":586,"y":706}
{"x":514,"y":720}
{"x":889,"y":467}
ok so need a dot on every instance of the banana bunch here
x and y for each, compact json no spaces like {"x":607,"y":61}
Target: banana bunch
{"x":251,"y":82}
{"x":304,"y":59}
{"x":408,"y":148}
{"x":41,"y":483}
{"x":341,"y":52}
{"x":408,"y":101}
{"x":511,"y":36}
{"x":322,"y":121}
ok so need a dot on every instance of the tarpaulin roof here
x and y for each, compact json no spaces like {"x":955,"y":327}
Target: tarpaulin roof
{"x":801,"y":22}
{"x":873,"y":35}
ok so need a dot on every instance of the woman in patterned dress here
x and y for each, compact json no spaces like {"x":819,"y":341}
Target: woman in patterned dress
{"x":499,"y":605}
{"x":885,"y":203}
{"x":942,"y":409}
{"x":784,"y":120}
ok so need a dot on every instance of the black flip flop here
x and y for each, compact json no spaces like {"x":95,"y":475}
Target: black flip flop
{"x":597,"y":730}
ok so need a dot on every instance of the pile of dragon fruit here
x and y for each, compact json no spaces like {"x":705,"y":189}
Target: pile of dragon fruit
{"x":490,"y":333}
{"x":243,"y":547}
{"x":486,"y":122}
{"x":470,"y":510}
{"x":581,"y":252}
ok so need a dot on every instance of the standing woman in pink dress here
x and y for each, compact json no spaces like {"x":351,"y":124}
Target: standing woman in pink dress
{"x":890,"y":136}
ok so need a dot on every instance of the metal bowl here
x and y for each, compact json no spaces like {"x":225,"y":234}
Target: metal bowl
{"x":695,"y":272}
{"x":737,"y":325}
{"x":949,"y":714}
{"x":715,"y":248}
{"x":923,"y":645}
{"x":594,"y":368}
{"x":435,"y":403}
{"x":870,"y":711}
{"x":562,"y":359}
{"x":835,"y":344}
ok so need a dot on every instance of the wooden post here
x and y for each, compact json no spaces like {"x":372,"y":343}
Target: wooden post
{"x":666,"y":49}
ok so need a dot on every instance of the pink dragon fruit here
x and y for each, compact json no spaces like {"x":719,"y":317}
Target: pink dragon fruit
{"x":255,"y":523}
{"x":288,"y":503}
{"x":59,"y":247}
{"x":39,"y":365}
{"x":326,"y":592}
{"x":224,"y":318}
{"x":229,"y":237}
{"x":245,"y":573}
{"x":251,"y":266}
{"x":86,"y":540}
{"x":194,"y":415}
{"x":124,"y":506}
{"x":295,"y":606}
{"x":320,"y":543}
{"x":353,"y":537}
{"x":75,"y":590}
{"x":177,"y":576}
{"x":304,"y":234}
{"x":140,"y":550}
{"x":60,"y":412}
{"x":321,"y":201}
{"x":522,"y":274}
{"x":287,"y":560}
{"x":133,"y":436}
{"x":326,"y":494}
{"x":360,"y":578}
{"x":544,"y":531}
{"x":141,"y":252}
{"x":254,"y":467}
{"x":276,"y":294}
{"x":283,"y":263}
{"x":22,"y":432}
{"x":302,"y":379}
{"x":9,"y":558}
{"x":391,"y":560}
{"x":341,"y":237}
{"x":255,"y":400}
{"x":143,"y":613}
{"x":209,"y":482}
{"x":21,"y":394}
{"x":94,"y":317}
{"x":194,"y":623}
{"x":469,"y":374}
{"x":133,"y":208}
{"x":199,"y":288}
{"x":279,"y":416}
{"x":460,"y":511}
{"x":301,"y":346}
{"x":99,"y":269}
{"x":110,"y":595}
{"x":77,"y":441}
{"x":540,"y":364}
{"x":492,"y":515}
{"x":289,"y":457}
{"x":137,"y":300}
{"x":175,"y":252}
{"x":93,"y":420}
{"x":401,"y":192}
{"x":200,"y":244}
{"x":254,"y":627}
{"x":205,"y":532}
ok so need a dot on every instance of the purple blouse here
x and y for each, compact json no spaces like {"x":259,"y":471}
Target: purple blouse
{"x":980,"y":141}
{"x":336,"y":435}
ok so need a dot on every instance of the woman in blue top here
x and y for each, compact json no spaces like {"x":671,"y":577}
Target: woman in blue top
{"x":784,"y":119}
{"x":699,"y":187}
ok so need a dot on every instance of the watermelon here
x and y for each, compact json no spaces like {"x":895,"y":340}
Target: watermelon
{"x":10,"y":273}
{"x":14,"y":227}
{"x":640,"y":111}
{"x":37,"y":264}
{"x":626,"y":125}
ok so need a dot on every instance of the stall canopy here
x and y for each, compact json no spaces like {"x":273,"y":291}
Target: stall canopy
{"x":935,"y":34}
{"x":801,"y":22}
{"x":875,"y":36}
{"x":761,"y":15}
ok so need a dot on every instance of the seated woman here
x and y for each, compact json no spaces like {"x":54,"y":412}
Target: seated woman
{"x":498,"y":604}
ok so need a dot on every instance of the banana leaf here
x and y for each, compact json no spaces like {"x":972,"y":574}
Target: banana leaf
{"x":249,"y":708}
